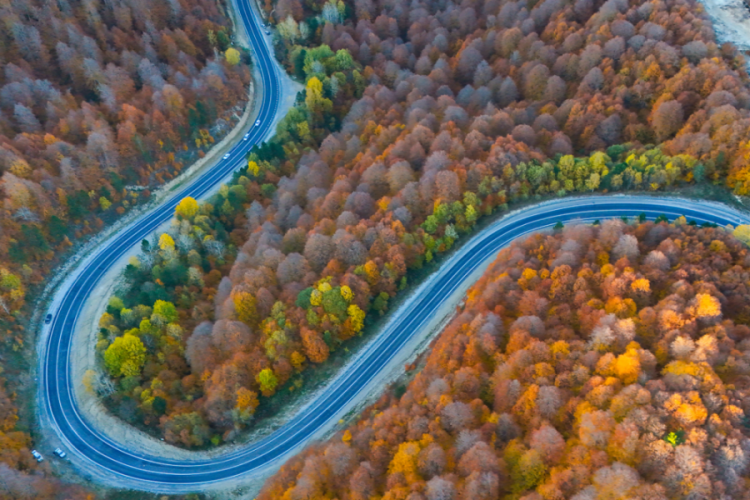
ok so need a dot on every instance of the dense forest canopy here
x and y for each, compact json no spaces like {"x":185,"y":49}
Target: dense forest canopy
{"x":596,"y":362}
{"x":100,"y":101}
{"x":416,"y":121}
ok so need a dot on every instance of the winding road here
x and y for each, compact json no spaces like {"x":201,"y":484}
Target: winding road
{"x":143,"y":471}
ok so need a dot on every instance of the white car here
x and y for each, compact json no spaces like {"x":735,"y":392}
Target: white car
{"x":60,"y":453}
{"x":257,"y":123}
{"x":268,"y":32}
{"x":38,"y":456}
{"x":226,"y":156}
{"x":247,"y":136}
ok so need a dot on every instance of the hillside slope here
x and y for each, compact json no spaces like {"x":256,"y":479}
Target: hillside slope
{"x":596,"y":362}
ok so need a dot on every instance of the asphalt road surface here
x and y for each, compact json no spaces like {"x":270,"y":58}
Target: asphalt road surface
{"x":156,"y":473}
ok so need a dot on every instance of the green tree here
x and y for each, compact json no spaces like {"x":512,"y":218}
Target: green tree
{"x":471,"y":214}
{"x":430,"y":224}
{"x":57,"y":228}
{"x":442,"y":213}
{"x":34,"y":239}
{"x":380,"y":303}
{"x":223,"y":40}
{"x":334,"y":303}
{"x":298,"y":61}
{"x":159,"y":406}
{"x":303,"y":298}
{"x":343,"y":60}
{"x":78,"y":204}
{"x":9,"y":281}
{"x":165,"y":310}
{"x":268,"y":381}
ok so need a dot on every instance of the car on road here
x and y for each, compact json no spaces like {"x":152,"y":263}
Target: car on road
{"x":268,"y":32}
{"x":257,"y":123}
{"x":226,"y":156}
{"x":38,"y":456}
{"x":247,"y":136}
{"x":48,"y":319}
{"x":60,"y":453}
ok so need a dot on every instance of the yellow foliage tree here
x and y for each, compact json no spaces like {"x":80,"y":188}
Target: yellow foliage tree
{"x":268,"y":381}
{"x":126,"y":356}
{"x":680,"y":367}
{"x":372,"y":272}
{"x":717,"y":246}
{"x":707,"y":306}
{"x":245,"y":307}
{"x":298,"y":360}
{"x":314,"y":89}
{"x":405,"y":459}
{"x":253,"y":168}
{"x":529,"y":273}
{"x":314,"y":99}
{"x":232,"y":56}
{"x":687,"y":409}
{"x":187,"y":208}
{"x":358,"y":317}
{"x":166,"y":242}
{"x":106,"y":320}
{"x":621,"y":308}
{"x":628,"y":366}
{"x":742,"y":233}
{"x":560,"y":347}
{"x":20,"y":168}
{"x":526,"y":404}
{"x":641,"y":285}
{"x":247,"y":400}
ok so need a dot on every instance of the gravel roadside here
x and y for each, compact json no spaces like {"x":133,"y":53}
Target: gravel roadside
{"x":730,"y":20}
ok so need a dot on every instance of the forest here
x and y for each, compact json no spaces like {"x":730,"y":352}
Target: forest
{"x":193,"y":354}
{"x":415,"y":123}
{"x":100,"y":102}
{"x":417,"y":120}
{"x":593,"y":362}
